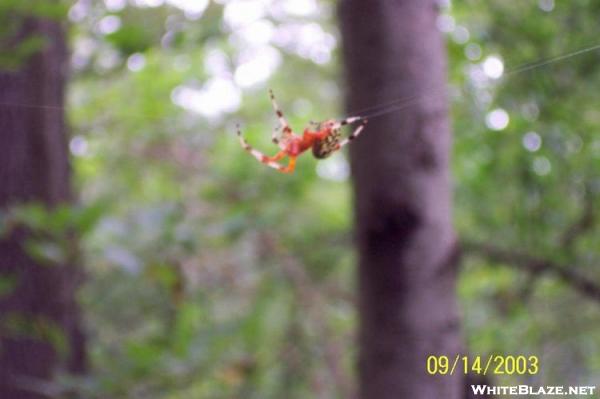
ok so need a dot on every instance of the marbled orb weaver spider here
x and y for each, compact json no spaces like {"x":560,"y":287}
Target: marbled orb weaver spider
{"x":325,"y":138}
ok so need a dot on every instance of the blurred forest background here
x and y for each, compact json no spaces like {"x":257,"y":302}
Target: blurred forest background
{"x":209,"y":275}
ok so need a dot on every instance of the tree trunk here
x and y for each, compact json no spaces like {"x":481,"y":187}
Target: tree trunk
{"x":34,"y":168}
{"x":400,"y":169}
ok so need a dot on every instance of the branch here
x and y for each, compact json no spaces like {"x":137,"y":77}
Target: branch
{"x":536,"y":265}
{"x":584,"y":223}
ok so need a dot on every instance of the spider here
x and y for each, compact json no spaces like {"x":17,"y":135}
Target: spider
{"x":324,"y":138}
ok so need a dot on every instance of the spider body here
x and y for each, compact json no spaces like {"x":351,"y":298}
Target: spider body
{"x":323,"y":138}
{"x":322,"y":148}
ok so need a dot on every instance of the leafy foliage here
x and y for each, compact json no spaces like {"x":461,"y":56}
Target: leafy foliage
{"x":210,"y":275}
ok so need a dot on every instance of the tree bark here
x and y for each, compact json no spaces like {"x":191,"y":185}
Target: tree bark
{"x":34,"y":168}
{"x":400,"y":167}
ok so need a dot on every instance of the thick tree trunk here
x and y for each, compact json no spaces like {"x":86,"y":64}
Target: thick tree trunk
{"x":34,"y":167}
{"x":400,"y":167}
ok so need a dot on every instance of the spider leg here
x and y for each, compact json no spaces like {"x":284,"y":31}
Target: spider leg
{"x":290,"y":167}
{"x":285,"y":127}
{"x":353,"y":135}
{"x":349,"y":120}
{"x":276,"y":136}
{"x":262,"y":158}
